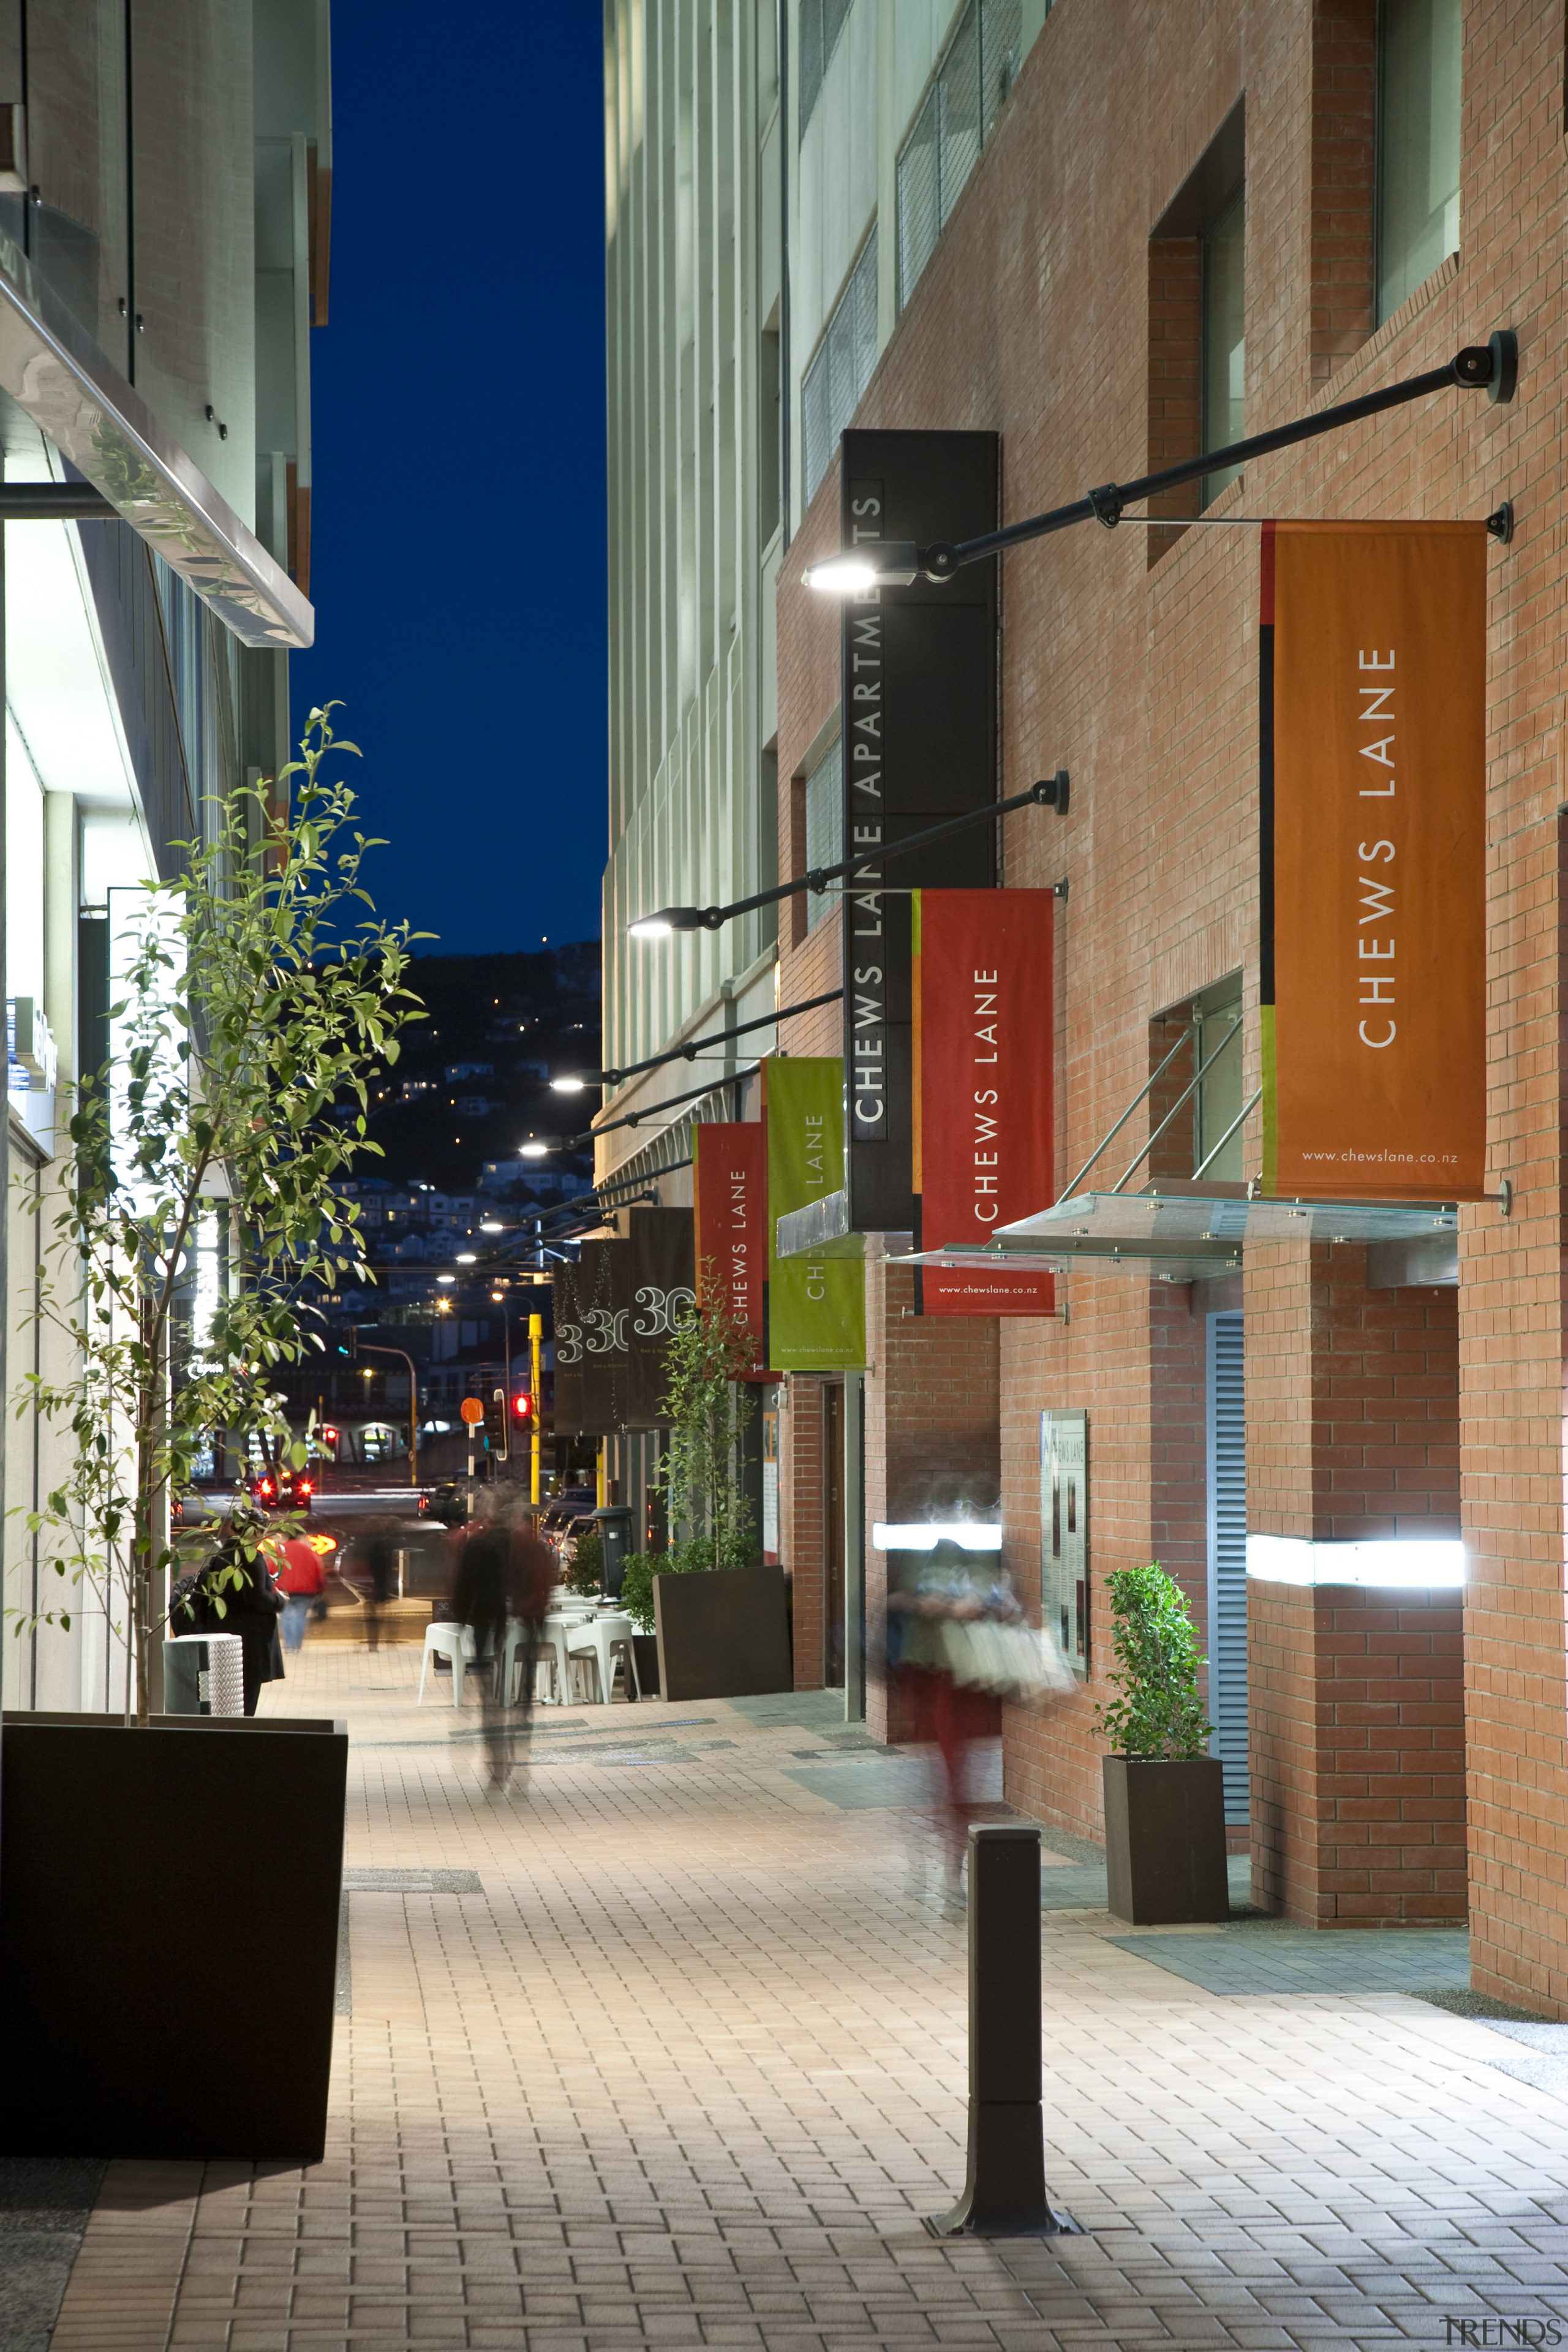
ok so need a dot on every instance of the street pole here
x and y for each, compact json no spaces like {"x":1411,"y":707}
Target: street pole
{"x":535,"y":1334}
{"x":367,"y":1350}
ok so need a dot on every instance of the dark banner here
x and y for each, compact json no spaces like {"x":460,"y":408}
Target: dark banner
{"x":567,"y":1415}
{"x":604,"y":1312}
{"x":920,"y":744}
{"x":663,"y":1288}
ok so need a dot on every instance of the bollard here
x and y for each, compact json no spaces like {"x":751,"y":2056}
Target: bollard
{"x":1004,"y":2188}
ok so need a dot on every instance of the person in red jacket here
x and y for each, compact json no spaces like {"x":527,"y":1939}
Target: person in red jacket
{"x":300,"y":1579}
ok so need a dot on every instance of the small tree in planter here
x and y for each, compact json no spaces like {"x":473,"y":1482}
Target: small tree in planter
{"x":731,"y":1640}
{"x":708,"y":1410}
{"x":1164,"y":1798}
{"x":261,"y":992}
{"x":1159,"y":1712}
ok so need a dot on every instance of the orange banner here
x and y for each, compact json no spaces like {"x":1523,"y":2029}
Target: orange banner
{"x":983,"y":1049}
{"x":1373,"y":790}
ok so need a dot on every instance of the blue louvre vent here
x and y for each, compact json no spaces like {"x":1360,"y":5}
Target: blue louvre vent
{"x":1226,"y":1419}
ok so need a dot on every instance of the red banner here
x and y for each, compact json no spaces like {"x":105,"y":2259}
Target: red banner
{"x":730,"y":1192}
{"x":983,"y":1047}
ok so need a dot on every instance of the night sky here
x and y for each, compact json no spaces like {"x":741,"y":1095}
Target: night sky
{"x":457,"y":561}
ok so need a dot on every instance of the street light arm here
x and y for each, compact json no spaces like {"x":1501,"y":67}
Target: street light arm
{"x":689,"y":1051}
{"x":1050,"y":793}
{"x":1492,"y":366}
{"x":366,"y":1348}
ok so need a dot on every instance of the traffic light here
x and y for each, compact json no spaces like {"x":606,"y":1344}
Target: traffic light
{"x":522,"y":1405}
{"x":329,"y":1437}
{"x":496,"y":1429}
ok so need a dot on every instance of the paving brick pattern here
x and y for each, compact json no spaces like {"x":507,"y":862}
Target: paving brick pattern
{"x":690,"y":2067}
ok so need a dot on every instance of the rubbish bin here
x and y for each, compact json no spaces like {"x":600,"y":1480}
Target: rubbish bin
{"x":614,"y":1525}
{"x":203,"y":1674}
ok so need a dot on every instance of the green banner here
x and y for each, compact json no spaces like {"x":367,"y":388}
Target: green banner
{"x":817,"y":1307}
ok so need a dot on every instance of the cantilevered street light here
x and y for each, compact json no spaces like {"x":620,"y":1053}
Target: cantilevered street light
{"x":578,"y":1080}
{"x":1492,"y":366}
{"x":1050,"y":793}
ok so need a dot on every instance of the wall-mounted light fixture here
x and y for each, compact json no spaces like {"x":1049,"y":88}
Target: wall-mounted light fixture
{"x":1491,"y":367}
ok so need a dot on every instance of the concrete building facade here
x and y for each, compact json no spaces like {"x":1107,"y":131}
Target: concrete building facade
{"x":165,"y":200}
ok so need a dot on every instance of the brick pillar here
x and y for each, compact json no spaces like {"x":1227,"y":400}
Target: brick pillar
{"x":800,"y":1520}
{"x":932,"y":1437}
{"x":1356,"y":1706}
{"x":1355,"y":1694}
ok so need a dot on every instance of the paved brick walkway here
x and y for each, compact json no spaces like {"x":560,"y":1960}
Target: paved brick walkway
{"x":687,"y":2066}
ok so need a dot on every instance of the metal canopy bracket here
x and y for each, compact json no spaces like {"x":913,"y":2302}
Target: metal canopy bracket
{"x":59,"y":378}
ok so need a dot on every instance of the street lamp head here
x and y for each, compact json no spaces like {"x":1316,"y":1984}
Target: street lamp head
{"x":575,"y":1085}
{"x":887,"y":563}
{"x":668,"y":920}
{"x":491,"y":1225}
{"x":467,"y":1257}
{"x":446,"y":1278}
{"x":534,"y":1151}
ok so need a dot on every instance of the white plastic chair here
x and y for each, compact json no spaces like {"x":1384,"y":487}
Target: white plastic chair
{"x":558,"y":1627}
{"x":452,"y":1641}
{"x":599,"y":1639}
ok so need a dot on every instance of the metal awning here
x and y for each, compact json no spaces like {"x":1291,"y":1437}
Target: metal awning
{"x":59,"y":377}
{"x":1186,"y":1234}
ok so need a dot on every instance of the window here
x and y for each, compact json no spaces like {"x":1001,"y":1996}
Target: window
{"x":840,"y":373}
{"x":1197,"y":309}
{"x":974,"y":76}
{"x":1224,"y":345}
{"x":1417,"y":144}
{"x":821,"y":22}
{"x":1217,"y":1022}
{"x":824,"y":825}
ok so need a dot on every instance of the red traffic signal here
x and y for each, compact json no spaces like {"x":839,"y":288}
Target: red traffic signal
{"x":329,"y":1437}
{"x":522,"y":1405}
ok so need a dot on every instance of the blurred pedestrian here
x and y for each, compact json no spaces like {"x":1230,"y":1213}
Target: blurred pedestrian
{"x":372,"y":1569}
{"x":533,"y":1575}
{"x":482,"y":1600}
{"x":301,"y":1580}
{"x":235,"y":1594}
{"x":929,"y":1616}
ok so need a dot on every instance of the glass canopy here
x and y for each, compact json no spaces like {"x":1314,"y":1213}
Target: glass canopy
{"x":1186,"y":1236}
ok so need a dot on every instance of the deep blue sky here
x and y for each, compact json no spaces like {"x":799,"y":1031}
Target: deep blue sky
{"x":457,"y":558}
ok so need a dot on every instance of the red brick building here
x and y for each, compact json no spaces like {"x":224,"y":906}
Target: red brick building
{"x":1063,"y":310}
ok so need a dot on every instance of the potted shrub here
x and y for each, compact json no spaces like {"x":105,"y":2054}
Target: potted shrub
{"x":1164,"y":1796}
{"x":202,"y":1858}
{"x":720,"y":1618}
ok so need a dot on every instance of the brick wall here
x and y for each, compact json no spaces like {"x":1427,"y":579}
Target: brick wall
{"x":1032,"y":320}
{"x":1357,"y":1755}
{"x":1353,"y":1399}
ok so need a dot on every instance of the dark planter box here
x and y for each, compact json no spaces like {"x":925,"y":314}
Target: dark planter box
{"x":646,"y":1648}
{"x":1164,"y":1841}
{"x":168,"y":1907}
{"x":722,"y":1633}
